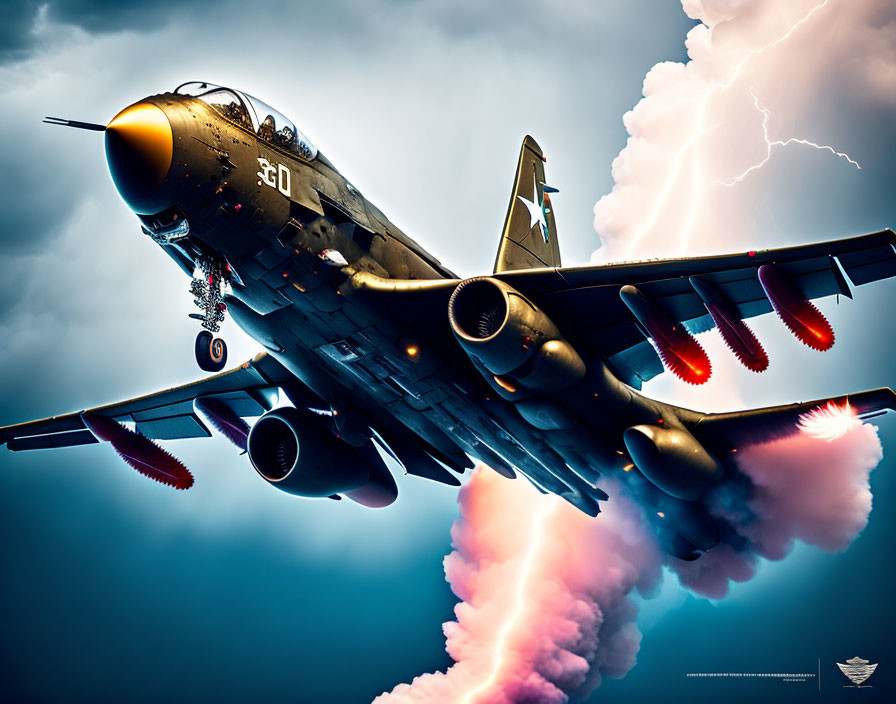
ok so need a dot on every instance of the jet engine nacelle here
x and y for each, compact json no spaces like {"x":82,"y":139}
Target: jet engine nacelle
{"x":293,"y":450}
{"x":672,"y":459}
{"x":507,"y":334}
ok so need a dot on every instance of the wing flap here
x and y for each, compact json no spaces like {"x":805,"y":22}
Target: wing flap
{"x":53,"y":440}
{"x":169,"y":410}
{"x":174,"y":428}
{"x":636,"y":364}
{"x":869,"y":265}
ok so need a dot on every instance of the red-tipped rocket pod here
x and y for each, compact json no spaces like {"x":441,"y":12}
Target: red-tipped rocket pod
{"x":735,"y":332}
{"x":140,"y":452}
{"x":679,"y":350}
{"x":803,"y":319}
{"x":228,"y":423}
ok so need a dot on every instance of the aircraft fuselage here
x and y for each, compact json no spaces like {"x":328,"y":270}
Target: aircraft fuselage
{"x":274,"y":215}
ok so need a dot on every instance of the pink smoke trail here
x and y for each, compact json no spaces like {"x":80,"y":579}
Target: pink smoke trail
{"x":548,"y":594}
{"x":805,"y":488}
{"x":546,"y":597}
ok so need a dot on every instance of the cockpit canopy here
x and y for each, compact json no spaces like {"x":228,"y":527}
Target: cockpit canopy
{"x":244,"y":110}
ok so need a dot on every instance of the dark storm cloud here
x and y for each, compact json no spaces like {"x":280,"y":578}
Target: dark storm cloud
{"x":17,"y":19}
{"x":41,"y":204}
{"x":116,"y":15}
{"x":10,"y":289}
{"x":525,"y":19}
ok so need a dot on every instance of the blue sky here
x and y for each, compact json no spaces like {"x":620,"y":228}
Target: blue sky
{"x":113,"y":587}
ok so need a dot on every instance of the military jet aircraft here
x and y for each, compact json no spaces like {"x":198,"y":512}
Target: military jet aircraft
{"x":534,"y":369}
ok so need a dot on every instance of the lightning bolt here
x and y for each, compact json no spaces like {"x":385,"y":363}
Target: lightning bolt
{"x":679,"y":159}
{"x":769,"y":145}
{"x":536,"y":543}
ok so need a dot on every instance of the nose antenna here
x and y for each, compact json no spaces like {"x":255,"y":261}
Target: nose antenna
{"x":75,"y":123}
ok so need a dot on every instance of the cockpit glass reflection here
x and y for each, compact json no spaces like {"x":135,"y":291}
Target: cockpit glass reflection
{"x":226,"y":101}
{"x":250,"y":112}
{"x":229,"y":105}
{"x":276,"y":129}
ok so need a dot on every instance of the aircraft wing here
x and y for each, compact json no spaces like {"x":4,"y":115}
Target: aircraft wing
{"x":585,"y":304}
{"x":248,"y":390}
{"x":725,"y":431}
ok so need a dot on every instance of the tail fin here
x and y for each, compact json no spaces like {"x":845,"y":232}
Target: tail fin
{"x":529,"y":240}
{"x":732,"y":430}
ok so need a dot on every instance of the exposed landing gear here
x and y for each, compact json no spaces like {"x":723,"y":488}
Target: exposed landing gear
{"x":211,"y":352}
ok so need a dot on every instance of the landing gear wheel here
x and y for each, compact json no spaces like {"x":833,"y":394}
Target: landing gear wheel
{"x":211,"y":352}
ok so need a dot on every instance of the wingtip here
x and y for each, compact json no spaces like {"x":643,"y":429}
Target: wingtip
{"x":891,"y":394}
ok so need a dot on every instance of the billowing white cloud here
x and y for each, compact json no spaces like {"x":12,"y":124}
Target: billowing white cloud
{"x":767,"y":83}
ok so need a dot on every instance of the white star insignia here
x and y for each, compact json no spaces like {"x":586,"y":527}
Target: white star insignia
{"x":536,"y":211}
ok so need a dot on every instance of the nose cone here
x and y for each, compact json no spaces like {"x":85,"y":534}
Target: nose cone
{"x":139,"y":147}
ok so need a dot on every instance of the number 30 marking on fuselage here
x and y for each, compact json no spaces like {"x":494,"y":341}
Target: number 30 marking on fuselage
{"x":274,"y":175}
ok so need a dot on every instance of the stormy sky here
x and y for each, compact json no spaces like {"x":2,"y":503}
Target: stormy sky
{"x":113,"y":587}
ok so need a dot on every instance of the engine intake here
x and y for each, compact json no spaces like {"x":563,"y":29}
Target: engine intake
{"x":672,"y":459}
{"x":506,"y":334}
{"x":293,"y":450}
